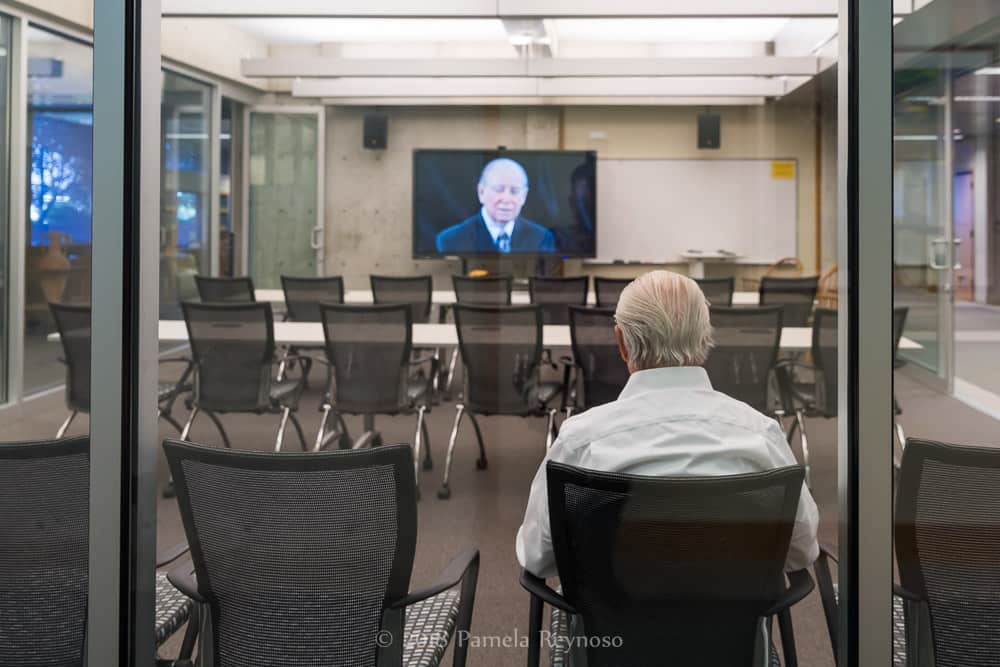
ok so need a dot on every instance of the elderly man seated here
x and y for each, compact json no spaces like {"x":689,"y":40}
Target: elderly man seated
{"x":668,"y":420}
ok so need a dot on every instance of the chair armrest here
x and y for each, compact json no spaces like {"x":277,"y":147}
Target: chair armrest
{"x":800,"y":585}
{"x":539,"y":589}
{"x":183,"y":579}
{"x":898,"y":590}
{"x":169,"y":555}
{"x":828,"y":551}
{"x":786,"y":386}
{"x":462,"y":565}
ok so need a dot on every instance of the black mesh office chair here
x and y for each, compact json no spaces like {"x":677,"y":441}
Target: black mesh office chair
{"x":221,"y":290}
{"x":556,"y":295}
{"x":44,"y":553}
{"x":745,"y":352}
{"x":303,"y":297}
{"x":306,"y":559}
{"x":819,"y":397}
{"x":417,"y":291}
{"x":795,"y":295}
{"x":598,"y":364}
{"x":947,"y":537}
{"x":488,"y":290}
{"x":899,"y":314}
{"x":718,"y":291}
{"x":501,"y":349}
{"x":686,"y":567}
{"x":73,"y":325}
{"x":233,"y":349}
{"x":607,"y":290}
{"x":368,"y":352}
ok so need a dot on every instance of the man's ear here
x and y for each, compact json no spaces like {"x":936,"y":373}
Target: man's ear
{"x":622,"y":350}
{"x":481,"y":191}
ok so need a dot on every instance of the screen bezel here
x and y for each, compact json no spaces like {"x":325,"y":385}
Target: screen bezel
{"x":494,"y":153}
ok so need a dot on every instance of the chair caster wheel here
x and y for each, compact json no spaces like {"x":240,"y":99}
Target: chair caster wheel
{"x":481,"y":464}
{"x":428,"y":465}
{"x":444,"y":493}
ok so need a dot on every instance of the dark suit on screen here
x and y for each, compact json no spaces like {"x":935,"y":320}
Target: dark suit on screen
{"x":472,"y":236}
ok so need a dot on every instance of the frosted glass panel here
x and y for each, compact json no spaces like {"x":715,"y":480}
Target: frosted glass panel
{"x":284,"y":174}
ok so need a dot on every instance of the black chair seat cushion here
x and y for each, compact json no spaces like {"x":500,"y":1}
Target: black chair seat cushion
{"x":173,"y":609}
{"x":429,"y":627}
{"x":559,"y":653}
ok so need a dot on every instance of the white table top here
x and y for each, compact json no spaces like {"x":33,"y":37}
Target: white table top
{"x":444,"y":335}
{"x":447,"y":297}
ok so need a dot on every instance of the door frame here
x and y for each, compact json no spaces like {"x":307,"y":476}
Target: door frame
{"x":318,"y":237}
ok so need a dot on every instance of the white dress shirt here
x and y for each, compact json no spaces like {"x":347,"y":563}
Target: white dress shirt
{"x":495,"y":228}
{"x":667,"y":421}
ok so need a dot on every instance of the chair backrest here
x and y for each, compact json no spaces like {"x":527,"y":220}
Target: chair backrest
{"x":298,"y":555}
{"x":73,"y":325}
{"x":369,"y":349}
{"x":222,"y":290}
{"x":607,"y":290}
{"x":689,"y":563}
{"x":794,"y":295}
{"x":825,"y":359}
{"x":304,"y":295}
{"x":718,"y":291}
{"x":501,"y":347}
{"x":899,"y":314}
{"x":44,"y":535}
{"x":555,"y":295}
{"x":485,"y":290}
{"x":595,"y":350}
{"x":827,"y":288}
{"x":746,"y":349}
{"x":947,"y":530}
{"x":233,"y":349}
{"x":417,"y":291}
{"x":786,"y":266}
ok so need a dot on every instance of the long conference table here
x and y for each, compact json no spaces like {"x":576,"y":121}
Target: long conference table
{"x":447,"y":297}
{"x":302,"y":334}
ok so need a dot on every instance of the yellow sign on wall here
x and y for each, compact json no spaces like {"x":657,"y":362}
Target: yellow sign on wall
{"x":783,"y":169}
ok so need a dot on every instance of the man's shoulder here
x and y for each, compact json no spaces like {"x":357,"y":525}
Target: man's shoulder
{"x":458,"y":232}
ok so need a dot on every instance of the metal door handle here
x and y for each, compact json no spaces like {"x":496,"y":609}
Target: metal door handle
{"x":936,"y":244}
{"x":316,"y":239}
{"x":958,"y":263}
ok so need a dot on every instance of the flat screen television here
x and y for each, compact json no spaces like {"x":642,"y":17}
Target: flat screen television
{"x":475,"y":203}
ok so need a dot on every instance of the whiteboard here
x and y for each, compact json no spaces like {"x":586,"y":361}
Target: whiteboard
{"x":658,"y":210}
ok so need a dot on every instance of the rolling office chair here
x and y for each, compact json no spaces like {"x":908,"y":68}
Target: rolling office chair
{"x":306,"y":559}
{"x":815,"y":399}
{"x":718,"y":291}
{"x":233,"y":349}
{"x":691,"y":567}
{"x":489,"y":290}
{"x":417,"y":291}
{"x":303,"y":297}
{"x":795,"y":295}
{"x":501,"y":350}
{"x":596,"y":363}
{"x":369,"y":355}
{"x":946,"y":540}
{"x":607,"y":290}
{"x":222,"y":290}
{"x":73,"y":324}
{"x":556,"y":295}
{"x":745,"y":352}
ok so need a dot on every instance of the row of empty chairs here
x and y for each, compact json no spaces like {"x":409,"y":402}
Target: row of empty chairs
{"x":318,"y":585}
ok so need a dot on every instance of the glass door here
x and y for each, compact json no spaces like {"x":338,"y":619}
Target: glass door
{"x":924,"y":239}
{"x":285,"y":227}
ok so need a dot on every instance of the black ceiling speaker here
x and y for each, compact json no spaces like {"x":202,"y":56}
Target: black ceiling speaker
{"x":376,"y":130}
{"x":709,"y":130}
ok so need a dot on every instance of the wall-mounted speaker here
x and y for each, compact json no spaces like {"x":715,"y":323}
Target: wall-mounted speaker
{"x":376,"y":131}
{"x":709,"y":130}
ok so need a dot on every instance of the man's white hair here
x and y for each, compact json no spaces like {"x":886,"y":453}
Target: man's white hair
{"x":664,"y":320}
{"x":503,"y":161}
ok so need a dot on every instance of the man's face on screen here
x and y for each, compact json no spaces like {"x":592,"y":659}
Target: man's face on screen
{"x":503,"y":192}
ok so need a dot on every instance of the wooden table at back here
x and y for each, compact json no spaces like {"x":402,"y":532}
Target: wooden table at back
{"x":447,"y":297}
{"x":793,"y":339}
